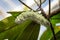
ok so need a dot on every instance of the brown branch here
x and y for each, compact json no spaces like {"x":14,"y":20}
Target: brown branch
{"x":26,"y":5}
{"x":54,"y":12}
{"x":52,"y":29}
{"x":40,"y":5}
{"x":51,"y":14}
{"x":59,"y":3}
{"x":44,"y":14}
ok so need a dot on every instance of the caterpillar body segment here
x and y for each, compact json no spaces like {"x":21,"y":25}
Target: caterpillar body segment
{"x":34,"y":16}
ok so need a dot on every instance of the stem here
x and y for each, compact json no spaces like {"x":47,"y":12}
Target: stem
{"x":36,"y":3}
{"x":54,"y":13}
{"x":59,"y":3}
{"x":50,"y":22}
{"x":54,"y":36}
{"x":42,"y":10}
{"x":26,"y":5}
{"x":39,"y":6}
{"x":44,"y":15}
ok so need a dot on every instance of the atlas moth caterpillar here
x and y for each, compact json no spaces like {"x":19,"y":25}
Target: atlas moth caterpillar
{"x":34,"y":16}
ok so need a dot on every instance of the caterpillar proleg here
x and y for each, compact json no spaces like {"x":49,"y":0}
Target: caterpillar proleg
{"x":34,"y":16}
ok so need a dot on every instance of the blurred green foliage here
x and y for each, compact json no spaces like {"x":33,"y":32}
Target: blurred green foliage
{"x":28,"y":30}
{"x":48,"y":33}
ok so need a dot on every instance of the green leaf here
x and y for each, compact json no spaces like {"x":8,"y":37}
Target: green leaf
{"x":55,"y":19}
{"x":15,"y":13}
{"x":8,"y":22}
{"x":57,"y":36}
{"x":30,"y":33}
{"x":48,"y":33}
{"x":12,"y":31}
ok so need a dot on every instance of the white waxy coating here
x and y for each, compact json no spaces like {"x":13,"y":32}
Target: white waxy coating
{"x":34,"y":16}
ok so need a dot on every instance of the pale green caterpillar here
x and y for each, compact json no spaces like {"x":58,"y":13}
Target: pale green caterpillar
{"x":34,"y":16}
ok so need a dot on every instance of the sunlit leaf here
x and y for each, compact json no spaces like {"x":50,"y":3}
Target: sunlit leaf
{"x":12,"y":31}
{"x":8,"y":22}
{"x":48,"y":33}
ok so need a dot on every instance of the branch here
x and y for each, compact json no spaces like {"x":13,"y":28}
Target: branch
{"x":55,"y":12}
{"x":43,"y":13}
{"x":50,"y":22}
{"x":26,"y":5}
{"x":55,"y":8}
{"x":36,"y":3}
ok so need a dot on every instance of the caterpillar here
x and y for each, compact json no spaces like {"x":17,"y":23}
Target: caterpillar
{"x":34,"y":16}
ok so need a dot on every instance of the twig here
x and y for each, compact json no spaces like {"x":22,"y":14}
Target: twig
{"x":26,"y":5}
{"x":50,"y":22}
{"x":36,"y":3}
{"x":43,"y":13}
{"x":54,"y":13}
